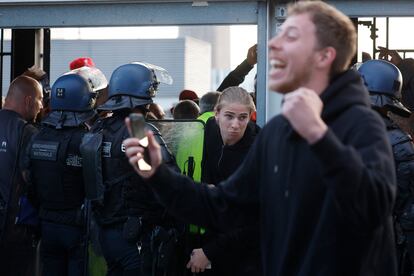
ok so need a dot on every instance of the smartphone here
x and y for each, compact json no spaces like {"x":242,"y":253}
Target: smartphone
{"x":138,"y":127}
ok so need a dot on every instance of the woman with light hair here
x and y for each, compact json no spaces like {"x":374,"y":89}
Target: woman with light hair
{"x":228,"y":137}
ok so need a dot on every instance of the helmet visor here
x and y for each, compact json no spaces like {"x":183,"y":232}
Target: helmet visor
{"x":162,"y":75}
{"x":95,"y":77}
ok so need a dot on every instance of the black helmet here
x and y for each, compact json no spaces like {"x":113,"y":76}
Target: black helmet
{"x":133,"y":85}
{"x":384,"y":81}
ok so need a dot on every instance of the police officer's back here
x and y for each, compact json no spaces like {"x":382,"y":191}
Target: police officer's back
{"x":56,"y":176}
{"x":23,"y":103}
{"x":384,"y":82}
{"x":132,"y":224}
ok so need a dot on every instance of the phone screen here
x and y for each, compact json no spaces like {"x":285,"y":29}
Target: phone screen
{"x":138,"y":131}
{"x":137,"y":125}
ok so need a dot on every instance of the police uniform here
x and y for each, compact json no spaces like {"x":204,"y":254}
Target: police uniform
{"x":403,"y":149}
{"x":384,"y":82}
{"x":136,"y":235}
{"x":56,"y":176}
{"x":17,"y":249}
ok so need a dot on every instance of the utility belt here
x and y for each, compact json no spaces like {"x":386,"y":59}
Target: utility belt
{"x":162,"y":242}
{"x":135,"y":226}
{"x":73,"y":217}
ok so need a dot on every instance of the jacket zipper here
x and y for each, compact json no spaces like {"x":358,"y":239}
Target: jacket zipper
{"x":221,"y":156}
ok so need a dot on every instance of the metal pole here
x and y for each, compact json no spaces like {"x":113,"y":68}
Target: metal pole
{"x":387,"y":32}
{"x":374,"y":39}
{"x":261,"y":79}
{"x":268,"y":103}
{"x":1,"y":64}
{"x":277,"y":15}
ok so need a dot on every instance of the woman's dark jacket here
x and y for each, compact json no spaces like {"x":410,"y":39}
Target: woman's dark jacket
{"x":220,"y":161}
{"x":233,"y":252}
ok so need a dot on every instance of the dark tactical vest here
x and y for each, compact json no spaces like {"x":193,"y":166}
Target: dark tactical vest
{"x":56,"y":168}
{"x":403,"y":150}
{"x":124,"y":192}
{"x":11,"y":132}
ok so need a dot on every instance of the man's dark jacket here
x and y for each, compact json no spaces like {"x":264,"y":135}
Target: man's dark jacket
{"x":325,"y":209}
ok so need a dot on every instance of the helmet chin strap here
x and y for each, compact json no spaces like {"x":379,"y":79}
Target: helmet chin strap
{"x":61,"y":121}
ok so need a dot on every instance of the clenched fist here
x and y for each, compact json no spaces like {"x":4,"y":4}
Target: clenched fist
{"x":303,"y":108}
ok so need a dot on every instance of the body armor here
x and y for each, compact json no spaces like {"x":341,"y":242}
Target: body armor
{"x":403,"y":151}
{"x":124,"y":192}
{"x":56,"y":166}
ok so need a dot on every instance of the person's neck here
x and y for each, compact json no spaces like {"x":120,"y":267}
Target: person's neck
{"x":229,"y":143}
{"x":14,"y":108}
{"x":319,"y":83}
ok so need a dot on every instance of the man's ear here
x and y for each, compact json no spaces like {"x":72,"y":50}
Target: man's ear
{"x":27,"y":100}
{"x":27,"y":103}
{"x":326,"y":57}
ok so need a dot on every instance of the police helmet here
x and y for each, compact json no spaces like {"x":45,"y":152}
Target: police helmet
{"x":72,"y":92}
{"x":134,"y":84}
{"x":384,"y":82}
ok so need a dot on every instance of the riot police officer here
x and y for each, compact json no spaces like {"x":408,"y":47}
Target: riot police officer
{"x":56,"y":183}
{"x":384,"y":82}
{"x":135,"y":232}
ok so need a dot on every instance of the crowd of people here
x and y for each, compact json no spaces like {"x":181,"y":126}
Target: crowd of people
{"x":324,"y":188}
{"x":70,"y":184}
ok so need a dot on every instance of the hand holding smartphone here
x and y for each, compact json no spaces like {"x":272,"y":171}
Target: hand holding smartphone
{"x":138,"y":126}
